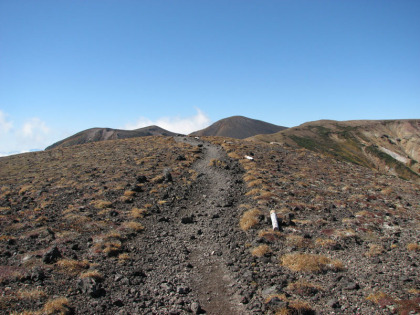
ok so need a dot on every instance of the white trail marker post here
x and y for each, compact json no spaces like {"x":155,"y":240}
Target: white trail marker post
{"x":274,"y":221}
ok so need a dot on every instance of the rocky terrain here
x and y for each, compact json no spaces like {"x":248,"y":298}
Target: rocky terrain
{"x":390,"y":146}
{"x":181,"y":225}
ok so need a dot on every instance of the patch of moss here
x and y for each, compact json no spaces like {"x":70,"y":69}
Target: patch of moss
{"x":349,"y":150}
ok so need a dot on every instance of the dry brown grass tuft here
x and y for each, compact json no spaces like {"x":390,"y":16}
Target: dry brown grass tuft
{"x":254,"y":183}
{"x":123,"y":257}
{"x":253,"y":192}
{"x":138,"y":213}
{"x":387,"y":191}
{"x":325,"y":242}
{"x":4,"y":209}
{"x":249,"y":219}
{"x":94,"y":274}
{"x":113,"y":235}
{"x":414,"y":291}
{"x":299,"y":307}
{"x":133,"y":226}
{"x":249,"y":178}
{"x":344,"y":234}
{"x":129,"y":193}
{"x":33,"y":294}
{"x":413,"y":247}
{"x":266,"y":195}
{"x":158,"y":179}
{"x":270,"y":235}
{"x":261,"y":250}
{"x":302,"y":287}
{"x":112,"y":248}
{"x":298,"y":241}
{"x":294,"y":307}
{"x":77,"y":219}
{"x":401,"y":306}
{"x":58,"y":306}
{"x":6,"y":238}
{"x":234,"y":155}
{"x":72,"y":267}
{"x":310,"y":263}
{"x":374,"y":250}
{"x":377,"y":297}
{"x":24,"y":189}
{"x":101,"y":204}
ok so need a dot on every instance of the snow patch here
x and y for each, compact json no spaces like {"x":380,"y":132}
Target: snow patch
{"x":396,"y":156}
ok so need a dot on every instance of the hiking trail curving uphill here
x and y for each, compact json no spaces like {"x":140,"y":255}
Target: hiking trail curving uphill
{"x":189,"y":246}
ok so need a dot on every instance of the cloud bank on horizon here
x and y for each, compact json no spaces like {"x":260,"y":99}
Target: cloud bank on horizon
{"x":177,"y":124}
{"x":34,"y":134}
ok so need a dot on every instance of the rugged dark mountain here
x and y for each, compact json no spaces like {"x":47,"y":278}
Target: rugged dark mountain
{"x":238,"y":127}
{"x":101,"y":134}
{"x":390,"y":146}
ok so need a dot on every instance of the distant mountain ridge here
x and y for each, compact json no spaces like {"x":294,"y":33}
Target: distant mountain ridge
{"x":238,"y":127}
{"x":101,"y":134}
{"x":390,"y":146}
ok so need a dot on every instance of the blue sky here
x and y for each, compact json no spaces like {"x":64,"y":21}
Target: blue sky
{"x":69,"y":65}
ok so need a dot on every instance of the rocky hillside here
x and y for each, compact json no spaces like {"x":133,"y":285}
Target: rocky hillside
{"x":101,"y":134}
{"x":390,"y":146}
{"x":238,"y":127}
{"x":179,"y":225}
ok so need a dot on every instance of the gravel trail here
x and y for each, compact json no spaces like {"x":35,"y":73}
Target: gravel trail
{"x":188,"y":244}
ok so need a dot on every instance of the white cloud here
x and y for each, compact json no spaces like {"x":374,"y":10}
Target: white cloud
{"x":34,"y":130}
{"x":184,"y":125}
{"x":5,"y":125}
{"x":32,"y":135}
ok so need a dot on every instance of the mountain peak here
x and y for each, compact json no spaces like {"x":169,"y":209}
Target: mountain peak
{"x":238,"y":127}
{"x":101,"y":134}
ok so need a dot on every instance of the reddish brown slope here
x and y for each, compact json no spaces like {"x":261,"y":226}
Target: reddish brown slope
{"x":238,"y":127}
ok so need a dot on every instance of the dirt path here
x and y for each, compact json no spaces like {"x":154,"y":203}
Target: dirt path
{"x":210,"y":278}
{"x":188,"y":243}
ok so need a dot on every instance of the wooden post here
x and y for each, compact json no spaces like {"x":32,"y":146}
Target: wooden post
{"x":274,"y":221}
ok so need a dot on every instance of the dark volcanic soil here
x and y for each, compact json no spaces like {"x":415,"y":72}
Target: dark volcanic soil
{"x":186,"y":248}
{"x":138,"y":227}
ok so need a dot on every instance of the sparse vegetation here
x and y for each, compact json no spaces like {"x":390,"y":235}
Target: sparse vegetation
{"x":302,"y":287}
{"x":58,"y":305}
{"x":310,"y":263}
{"x":95,"y":274}
{"x":298,"y":241}
{"x":249,"y":219}
{"x":133,"y":226}
{"x":374,"y":250}
{"x":138,"y":213}
{"x":92,"y":202}
{"x":261,"y":250}
{"x":34,"y":294}
{"x":413,"y":247}
{"x":71,"y":266}
{"x":101,"y":204}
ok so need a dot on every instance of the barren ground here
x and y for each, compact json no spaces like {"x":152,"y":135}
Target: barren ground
{"x":181,"y":225}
